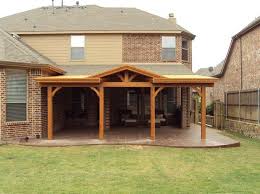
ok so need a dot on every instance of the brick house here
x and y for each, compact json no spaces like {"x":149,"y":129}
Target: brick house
{"x":241,"y":68}
{"x":94,"y":67}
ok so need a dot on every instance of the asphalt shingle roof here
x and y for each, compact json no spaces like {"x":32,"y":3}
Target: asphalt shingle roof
{"x":207,"y":72}
{"x":14,"y":50}
{"x":86,"y":18}
{"x":165,"y":69}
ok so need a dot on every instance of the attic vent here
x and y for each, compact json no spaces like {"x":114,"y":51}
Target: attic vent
{"x":36,"y":72}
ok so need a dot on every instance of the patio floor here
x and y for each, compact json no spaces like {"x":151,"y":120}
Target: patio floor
{"x":165,"y":136}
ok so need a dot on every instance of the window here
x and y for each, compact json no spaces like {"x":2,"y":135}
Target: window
{"x":185,"y":50}
{"x":16,"y":94}
{"x":77,"y":44}
{"x":168,"y":48}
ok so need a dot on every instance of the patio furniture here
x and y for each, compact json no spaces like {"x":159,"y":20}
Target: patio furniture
{"x":130,"y":122}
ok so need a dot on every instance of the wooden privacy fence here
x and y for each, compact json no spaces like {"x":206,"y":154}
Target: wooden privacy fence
{"x":239,"y":105}
{"x":243,"y":105}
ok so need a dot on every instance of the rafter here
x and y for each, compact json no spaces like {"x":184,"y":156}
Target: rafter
{"x":132,"y":77}
{"x":121,"y":77}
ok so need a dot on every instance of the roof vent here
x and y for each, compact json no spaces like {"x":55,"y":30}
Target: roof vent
{"x":172,"y":18}
{"x":211,"y":69}
{"x":77,"y":3}
{"x":16,"y":36}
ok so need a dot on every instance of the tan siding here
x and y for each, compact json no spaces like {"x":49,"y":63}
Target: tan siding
{"x":100,"y":49}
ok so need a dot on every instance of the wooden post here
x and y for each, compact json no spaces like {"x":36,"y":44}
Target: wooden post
{"x":50,"y":113}
{"x":203,"y":112}
{"x":101,"y":113}
{"x":152,"y":110}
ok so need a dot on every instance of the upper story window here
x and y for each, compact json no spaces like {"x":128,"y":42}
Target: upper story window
{"x":77,"y":44}
{"x":168,"y":48}
{"x":16,"y":95}
{"x":185,"y":50}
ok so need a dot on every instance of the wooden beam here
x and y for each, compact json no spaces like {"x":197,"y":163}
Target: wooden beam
{"x":203,"y":112}
{"x":55,"y":91}
{"x":101,"y":113}
{"x":126,"y":76}
{"x":95,"y":90}
{"x":126,"y":84}
{"x":152,"y":112}
{"x":120,"y":77}
{"x":132,"y":77}
{"x":50,"y":113}
{"x":158,"y":90}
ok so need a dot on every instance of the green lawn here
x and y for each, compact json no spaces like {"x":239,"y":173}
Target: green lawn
{"x":130,"y":169}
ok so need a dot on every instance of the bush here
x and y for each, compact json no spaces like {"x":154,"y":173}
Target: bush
{"x":210,"y":109}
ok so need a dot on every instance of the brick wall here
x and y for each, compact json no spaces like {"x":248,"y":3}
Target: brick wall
{"x":243,"y":74}
{"x":146,"y":48}
{"x":185,"y":107}
{"x":35,"y":121}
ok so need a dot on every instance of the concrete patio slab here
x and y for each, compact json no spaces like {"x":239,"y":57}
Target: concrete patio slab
{"x":165,"y":136}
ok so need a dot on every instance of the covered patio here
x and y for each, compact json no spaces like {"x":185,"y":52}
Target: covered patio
{"x":128,"y":76}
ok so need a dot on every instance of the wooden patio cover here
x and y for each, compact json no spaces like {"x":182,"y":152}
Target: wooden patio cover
{"x":127,"y":77}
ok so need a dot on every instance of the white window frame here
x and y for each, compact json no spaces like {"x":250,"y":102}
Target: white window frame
{"x":78,"y":45}
{"x":27,"y":99}
{"x":187,"y":49}
{"x":163,"y":46}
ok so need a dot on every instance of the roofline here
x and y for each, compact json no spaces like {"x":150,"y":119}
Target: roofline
{"x":231,"y":46}
{"x":104,"y":32}
{"x":47,"y":67}
{"x":248,"y":28}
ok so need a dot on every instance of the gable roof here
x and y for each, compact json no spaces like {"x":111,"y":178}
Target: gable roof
{"x":126,"y":68}
{"x":255,"y":23}
{"x":168,"y":78}
{"x":14,"y":51}
{"x":86,"y":18}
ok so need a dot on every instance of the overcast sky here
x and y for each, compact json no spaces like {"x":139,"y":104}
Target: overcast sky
{"x":213,"y":22}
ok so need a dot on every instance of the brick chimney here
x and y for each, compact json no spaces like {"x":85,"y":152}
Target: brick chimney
{"x":172,"y":18}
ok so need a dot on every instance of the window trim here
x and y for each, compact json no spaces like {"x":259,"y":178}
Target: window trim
{"x":26,"y":121}
{"x":77,"y":60}
{"x":187,"y":49}
{"x":175,"y":58}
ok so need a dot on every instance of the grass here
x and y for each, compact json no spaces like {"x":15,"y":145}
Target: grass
{"x":130,"y":169}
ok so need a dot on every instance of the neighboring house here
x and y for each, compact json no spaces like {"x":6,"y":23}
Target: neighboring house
{"x":90,"y":66}
{"x":241,"y":67}
{"x":210,"y":71}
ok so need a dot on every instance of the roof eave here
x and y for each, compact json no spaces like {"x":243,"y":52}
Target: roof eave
{"x":32,"y":65}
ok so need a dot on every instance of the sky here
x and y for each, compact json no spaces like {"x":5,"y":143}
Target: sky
{"x":214,"y":22}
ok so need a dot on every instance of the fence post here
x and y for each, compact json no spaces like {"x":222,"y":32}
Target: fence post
{"x":239,"y":105}
{"x":258,"y":103}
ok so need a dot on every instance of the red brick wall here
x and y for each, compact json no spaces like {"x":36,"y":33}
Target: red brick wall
{"x":246,"y":48}
{"x":146,"y":48}
{"x":185,"y":107}
{"x":35,"y":119}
